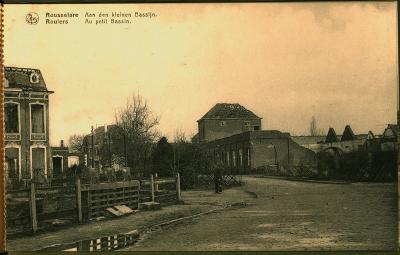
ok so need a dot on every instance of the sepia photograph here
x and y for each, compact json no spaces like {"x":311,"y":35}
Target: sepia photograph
{"x":201,"y":126}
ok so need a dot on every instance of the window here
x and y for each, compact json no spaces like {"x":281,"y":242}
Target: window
{"x":248,"y":157}
{"x":12,"y":163}
{"x":57,"y":166}
{"x":256,"y":127}
{"x":37,"y":118}
{"x":223,"y":123}
{"x":11,"y":118}
{"x":240,"y":157}
{"x":34,"y":78}
{"x":38,"y":161}
{"x":247,"y":123}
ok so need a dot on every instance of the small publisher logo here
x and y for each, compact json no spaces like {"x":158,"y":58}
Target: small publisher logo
{"x":32,"y":18}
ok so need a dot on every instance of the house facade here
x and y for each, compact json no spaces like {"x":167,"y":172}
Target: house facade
{"x":59,"y":159}
{"x":101,"y":146}
{"x":26,"y":115}
{"x":224,"y":120}
{"x":390,"y":137}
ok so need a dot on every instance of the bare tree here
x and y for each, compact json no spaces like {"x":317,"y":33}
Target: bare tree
{"x":180,"y":144}
{"x":180,"y":136}
{"x":76,"y":143}
{"x":314,"y":130}
{"x":138,"y":126}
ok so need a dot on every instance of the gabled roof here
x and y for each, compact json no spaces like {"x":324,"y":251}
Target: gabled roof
{"x":24,"y":78}
{"x":331,"y":137}
{"x":348,"y":134}
{"x":394,"y":128}
{"x":370,"y":135}
{"x":229,"y":111}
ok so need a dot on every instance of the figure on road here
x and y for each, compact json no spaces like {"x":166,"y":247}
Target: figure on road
{"x":218,"y":179}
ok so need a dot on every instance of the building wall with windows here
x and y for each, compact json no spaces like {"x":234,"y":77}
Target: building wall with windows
{"x":26,"y":115}
{"x":215,"y":129}
{"x":224,"y":120}
{"x":254,"y":149}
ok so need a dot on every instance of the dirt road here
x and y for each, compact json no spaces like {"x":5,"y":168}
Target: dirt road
{"x":288,"y":215}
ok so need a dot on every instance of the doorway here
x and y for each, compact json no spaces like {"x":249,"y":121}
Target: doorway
{"x":57,"y":166}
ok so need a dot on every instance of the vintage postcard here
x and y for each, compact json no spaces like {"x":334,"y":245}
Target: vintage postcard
{"x":201,"y":126}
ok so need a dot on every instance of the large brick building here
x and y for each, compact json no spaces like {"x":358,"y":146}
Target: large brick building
{"x":224,"y":120}
{"x":26,"y":114}
{"x":254,"y":149}
{"x":233,"y":138}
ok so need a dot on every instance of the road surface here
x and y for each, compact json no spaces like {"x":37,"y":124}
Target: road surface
{"x":289,"y":215}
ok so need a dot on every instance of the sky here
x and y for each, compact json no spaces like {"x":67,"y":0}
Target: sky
{"x":286,"y":62}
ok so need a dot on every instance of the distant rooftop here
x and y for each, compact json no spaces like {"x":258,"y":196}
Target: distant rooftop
{"x":229,"y":111}
{"x":24,"y":78}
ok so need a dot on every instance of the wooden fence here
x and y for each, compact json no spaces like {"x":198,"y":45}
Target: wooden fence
{"x":38,"y":206}
{"x":98,"y":197}
{"x":163,"y":191}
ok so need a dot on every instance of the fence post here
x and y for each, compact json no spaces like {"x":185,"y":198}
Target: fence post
{"x":138,"y":198}
{"x":152,"y":187}
{"x":78,"y":198}
{"x":33,"y":207}
{"x":178,"y":187}
{"x":155,"y":182}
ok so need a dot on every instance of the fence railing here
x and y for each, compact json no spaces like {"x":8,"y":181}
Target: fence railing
{"x":78,"y":203}
{"x":164,"y":191}
{"x":98,"y":197}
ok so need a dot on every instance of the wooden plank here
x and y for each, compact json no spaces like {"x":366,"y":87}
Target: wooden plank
{"x":178,"y":187}
{"x":79,"y":199}
{"x":33,"y":208}
{"x":121,"y":199}
{"x":97,"y":207}
{"x":165,"y":181}
{"x":114,"y":185}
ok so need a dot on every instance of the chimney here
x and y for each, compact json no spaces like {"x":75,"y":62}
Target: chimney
{"x":62,"y":143}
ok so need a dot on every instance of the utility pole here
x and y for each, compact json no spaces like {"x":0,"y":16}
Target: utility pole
{"x":125,"y":156}
{"x":288,"y":152}
{"x":92,"y":147}
{"x":173,"y":164}
{"x":109,"y":147}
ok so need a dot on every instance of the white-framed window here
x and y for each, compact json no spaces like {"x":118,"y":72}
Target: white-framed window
{"x":13,"y":161}
{"x":37,"y":118}
{"x":38,"y":160}
{"x":37,"y":112}
{"x":34,"y":78}
{"x":58,"y":165}
{"x":12,"y":117}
